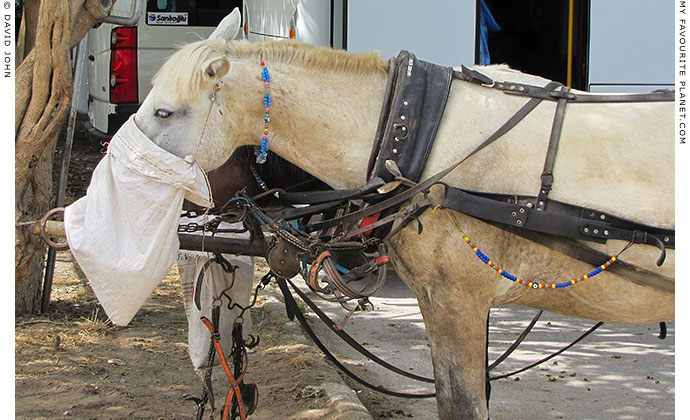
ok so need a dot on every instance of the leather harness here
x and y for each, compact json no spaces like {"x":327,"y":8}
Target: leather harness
{"x":406,"y":133}
{"x":416,"y":95}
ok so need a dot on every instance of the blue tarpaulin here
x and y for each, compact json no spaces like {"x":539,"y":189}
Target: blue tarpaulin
{"x":488,"y":23}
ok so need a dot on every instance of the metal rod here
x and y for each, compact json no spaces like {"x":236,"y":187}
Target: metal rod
{"x":192,"y":242}
{"x":253,"y":248}
{"x":569,"y":71}
{"x":64,"y":170}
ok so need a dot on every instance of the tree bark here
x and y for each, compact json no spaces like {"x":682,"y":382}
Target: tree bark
{"x":31,"y":9}
{"x":43,"y":90}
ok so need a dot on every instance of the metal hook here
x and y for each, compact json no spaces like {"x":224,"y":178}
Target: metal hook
{"x":662,"y":247}
{"x":342,"y":323}
{"x":41,"y":225}
{"x":252,"y":341}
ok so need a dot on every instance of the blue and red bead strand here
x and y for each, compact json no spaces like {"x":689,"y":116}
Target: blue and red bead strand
{"x":262,"y":152}
{"x":484,"y":258}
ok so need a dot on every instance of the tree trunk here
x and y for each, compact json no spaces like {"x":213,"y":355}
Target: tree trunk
{"x":42,"y":100}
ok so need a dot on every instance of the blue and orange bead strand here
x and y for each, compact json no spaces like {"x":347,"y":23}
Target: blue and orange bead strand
{"x":262,"y":152}
{"x":484,"y":258}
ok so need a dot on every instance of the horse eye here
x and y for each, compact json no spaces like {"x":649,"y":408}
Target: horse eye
{"x":162,"y":113}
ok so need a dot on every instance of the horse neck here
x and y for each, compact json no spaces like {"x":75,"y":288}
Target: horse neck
{"x":325,"y":121}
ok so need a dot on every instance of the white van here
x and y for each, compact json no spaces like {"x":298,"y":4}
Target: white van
{"x":125,"y":54}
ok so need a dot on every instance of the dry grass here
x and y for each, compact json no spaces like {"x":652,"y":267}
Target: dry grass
{"x":301,"y":362}
{"x":65,"y":333}
{"x":93,"y":326}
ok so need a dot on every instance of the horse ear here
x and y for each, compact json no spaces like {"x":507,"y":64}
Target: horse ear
{"x":217,"y":68}
{"x":228,"y":27}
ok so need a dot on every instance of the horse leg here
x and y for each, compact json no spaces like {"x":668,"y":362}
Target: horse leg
{"x":458,"y":349}
{"x":455,"y":305}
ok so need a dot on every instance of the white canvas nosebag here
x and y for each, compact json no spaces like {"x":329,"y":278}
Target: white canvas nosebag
{"x":236,"y":285}
{"x":123,"y":233}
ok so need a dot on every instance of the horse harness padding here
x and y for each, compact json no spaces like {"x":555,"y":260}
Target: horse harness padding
{"x":415,"y":98}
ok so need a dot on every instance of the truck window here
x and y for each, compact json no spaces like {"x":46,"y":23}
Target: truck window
{"x":188,"y":12}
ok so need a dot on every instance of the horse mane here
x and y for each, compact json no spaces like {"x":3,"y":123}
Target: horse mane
{"x":312,"y":56}
{"x":184,"y":69}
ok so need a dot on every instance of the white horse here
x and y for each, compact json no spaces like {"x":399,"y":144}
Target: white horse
{"x":617,"y":158}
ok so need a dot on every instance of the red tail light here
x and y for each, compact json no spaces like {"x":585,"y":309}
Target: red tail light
{"x":123,"y":66}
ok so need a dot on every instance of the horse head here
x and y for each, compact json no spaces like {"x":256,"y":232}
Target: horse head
{"x":183,"y":113}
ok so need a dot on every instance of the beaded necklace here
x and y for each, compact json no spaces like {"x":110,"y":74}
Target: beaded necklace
{"x":534,"y":285}
{"x":262,"y":152}
{"x":258,"y":178}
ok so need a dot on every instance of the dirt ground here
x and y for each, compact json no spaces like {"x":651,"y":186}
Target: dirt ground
{"x":72,"y":363}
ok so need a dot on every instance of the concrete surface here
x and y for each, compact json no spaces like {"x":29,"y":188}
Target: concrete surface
{"x":619,"y":372}
{"x":342,"y":399}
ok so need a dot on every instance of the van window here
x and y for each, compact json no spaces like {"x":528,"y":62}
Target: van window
{"x":189,"y":12}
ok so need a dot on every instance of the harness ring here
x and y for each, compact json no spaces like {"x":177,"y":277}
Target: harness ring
{"x":41,"y":225}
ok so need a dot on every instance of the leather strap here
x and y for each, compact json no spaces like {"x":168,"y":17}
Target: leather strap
{"x":516,"y":343}
{"x":385,"y":111}
{"x":474,"y":76}
{"x":291,"y":213}
{"x":319,"y":197}
{"x":405,"y":213}
{"x":551,"y":356}
{"x":547,"y":173}
{"x":584,"y":98}
{"x":351,"y":341}
{"x":234,"y":383}
{"x":564,"y":224}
